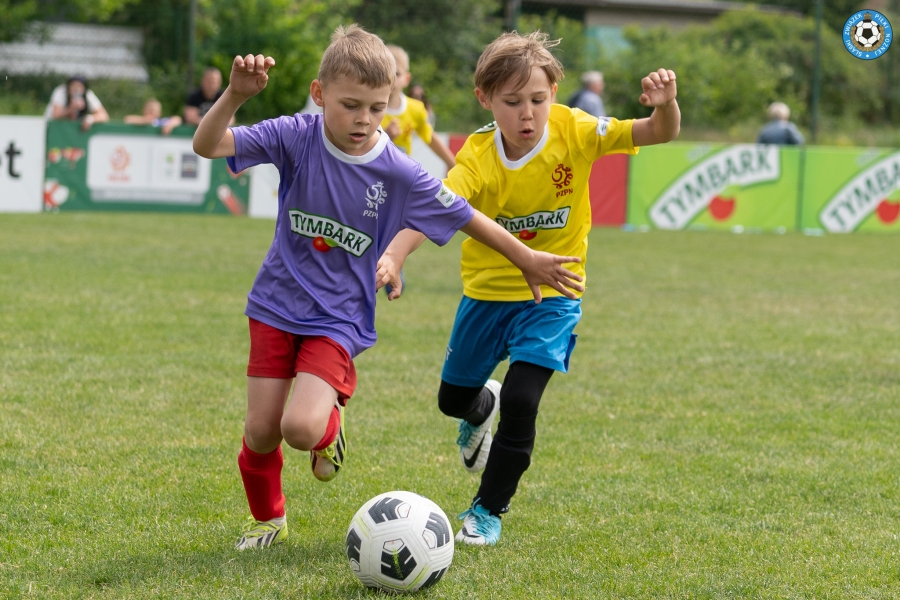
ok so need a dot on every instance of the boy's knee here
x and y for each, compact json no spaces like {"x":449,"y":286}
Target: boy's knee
{"x":456,"y":400}
{"x":301,"y":435}
{"x":261,"y":437}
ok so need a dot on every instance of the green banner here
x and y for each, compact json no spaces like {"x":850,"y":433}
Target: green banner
{"x":851,"y":189}
{"x":126,"y":167}
{"x":714,"y":186}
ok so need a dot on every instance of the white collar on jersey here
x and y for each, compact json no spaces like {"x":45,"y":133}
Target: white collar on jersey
{"x":512,"y":165}
{"x":396,"y":112}
{"x":342,"y":156}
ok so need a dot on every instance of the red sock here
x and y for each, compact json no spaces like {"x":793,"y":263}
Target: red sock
{"x":334,"y":425}
{"x":261,"y":474}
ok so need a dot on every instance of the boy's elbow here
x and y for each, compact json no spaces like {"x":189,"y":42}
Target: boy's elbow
{"x":200,"y":149}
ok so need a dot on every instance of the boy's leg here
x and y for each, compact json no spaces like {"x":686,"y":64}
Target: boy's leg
{"x":270,"y":372}
{"x":477,"y":344}
{"x":260,"y":462}
{"x":510,"y":453}
{"x":514,"y":441}
{"x":314,"y":419}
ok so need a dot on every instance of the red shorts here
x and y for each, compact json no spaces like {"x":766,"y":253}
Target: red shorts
{"x":281,"y":355}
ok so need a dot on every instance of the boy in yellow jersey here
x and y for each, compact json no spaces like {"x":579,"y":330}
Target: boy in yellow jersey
{"x":405,"y":115}
{"x":528,"y":170}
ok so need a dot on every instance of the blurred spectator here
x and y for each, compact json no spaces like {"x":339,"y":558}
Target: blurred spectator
{"x":201,"y":100}
{"x":588,"y":97}
{"x":74,"y":101}
{"x":418,"y":92}
{"x":779,"y":130}
{"x":153,"y":116}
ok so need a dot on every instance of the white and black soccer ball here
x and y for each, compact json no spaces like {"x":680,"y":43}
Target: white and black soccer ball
{"x":867,"y":34}
{"x":399,"y":542}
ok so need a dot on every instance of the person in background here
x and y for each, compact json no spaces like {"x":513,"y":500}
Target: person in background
{"x":76,"y":102}
{"x":152,"y":115}
{"x":417,"y":92}
{"x":779,"y":130}
{"x":405,"y":115}
{"x":588,"y":97}
{"x":201,"y":100}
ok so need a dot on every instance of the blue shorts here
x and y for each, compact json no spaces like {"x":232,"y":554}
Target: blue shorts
{"x":486,"y":333}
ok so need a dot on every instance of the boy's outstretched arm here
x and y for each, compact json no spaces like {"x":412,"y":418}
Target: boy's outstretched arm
{"x":442,"y":151}
{"x":659,"y":91}
{"x":249,"y":75}
{"x":538,"y":268}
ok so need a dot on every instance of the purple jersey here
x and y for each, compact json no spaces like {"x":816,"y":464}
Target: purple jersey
{"x":336,"y":216}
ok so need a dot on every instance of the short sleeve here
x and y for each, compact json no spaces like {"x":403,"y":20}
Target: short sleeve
{"x":92,"y":101}
{"x":465,"y":178}
{"x":604,"y":135}
{"x":434,"y":210}
{"x":57,"y":98}
{"x":270,"y":141}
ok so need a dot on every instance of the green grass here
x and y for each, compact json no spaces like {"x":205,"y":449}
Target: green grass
{"x":729,"y":427}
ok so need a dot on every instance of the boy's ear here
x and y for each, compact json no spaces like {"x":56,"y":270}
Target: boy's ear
{"x":483,"y":99}
{"x":315,"y":91}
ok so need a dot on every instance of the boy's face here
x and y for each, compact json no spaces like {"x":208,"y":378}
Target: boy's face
{"x":352,"y":112}
{"x":521,"y":114}
{"x":401,"y":79}
{"x":153,"y":110}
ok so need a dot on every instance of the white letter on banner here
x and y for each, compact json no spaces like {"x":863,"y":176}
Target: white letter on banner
{"x":742,"y":164}
{"x":862,"y":195}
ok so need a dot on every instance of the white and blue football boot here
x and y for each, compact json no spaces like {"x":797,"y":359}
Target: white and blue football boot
{"x":479,"y":527}
{"x":474,"y":441}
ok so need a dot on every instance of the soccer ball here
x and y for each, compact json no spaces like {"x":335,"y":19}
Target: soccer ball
{"x":867,"y":33}
{"x":399,"y":542}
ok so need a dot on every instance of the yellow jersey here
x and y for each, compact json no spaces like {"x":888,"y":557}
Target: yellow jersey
{"x":411,"y":116}
{"x":542,"y":198}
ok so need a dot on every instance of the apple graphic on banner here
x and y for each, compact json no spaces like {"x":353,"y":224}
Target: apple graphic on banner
{"x":321,"y":245}
{"x":527,"y":235}
{"x":721,"y":208}
{"x":888,"y":211}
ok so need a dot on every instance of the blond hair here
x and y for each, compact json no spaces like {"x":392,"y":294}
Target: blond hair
{"x":779,"y":111}
{"x":511,"y":58}
{"x":400,"y":56}
{"x":358,"y":55}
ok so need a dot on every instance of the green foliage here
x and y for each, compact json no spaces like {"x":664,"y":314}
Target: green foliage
{"x":730,"y":70}
{"x":571,"y":48}
{"x":16,"y":15}
{"x":293,"y":32}
{"x":444,"y":39}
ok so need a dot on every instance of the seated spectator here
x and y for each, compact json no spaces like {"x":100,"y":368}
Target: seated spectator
{"x":779,"y":130}
{"x":201,"y":100}
{"x":588,"y":97}
{"x":153,"y":116}
{"x":75,"y":102}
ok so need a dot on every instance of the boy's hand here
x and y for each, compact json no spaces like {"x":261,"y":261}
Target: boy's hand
{"x":393,"y":129}
{"x":548,"y":269}
{"x":659,"y":88}
{"x":249,"y":75}
{"x":388,"y":273}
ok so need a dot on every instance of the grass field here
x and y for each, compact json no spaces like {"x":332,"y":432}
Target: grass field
{"x":729,"y":427}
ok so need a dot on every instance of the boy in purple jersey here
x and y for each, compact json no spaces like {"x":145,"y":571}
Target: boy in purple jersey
{"x":344,"y":193}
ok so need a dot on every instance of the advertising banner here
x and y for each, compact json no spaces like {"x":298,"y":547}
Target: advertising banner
{"x":851,"y":189}
{"x":21,"y":163}
{"x":714,"y":186}
{"x":125,"y":167}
